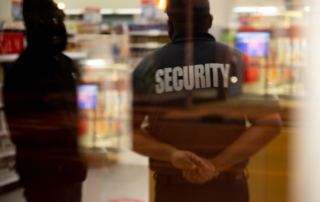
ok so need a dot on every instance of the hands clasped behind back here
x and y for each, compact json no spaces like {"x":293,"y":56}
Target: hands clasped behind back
{"x":196,"y":170}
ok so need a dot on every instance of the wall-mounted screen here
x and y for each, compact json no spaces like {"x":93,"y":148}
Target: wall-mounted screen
{"x":253,"y":43}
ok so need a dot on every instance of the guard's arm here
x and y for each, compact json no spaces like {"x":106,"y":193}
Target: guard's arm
{"x":145,"y":144}
{"x":251,"y":141}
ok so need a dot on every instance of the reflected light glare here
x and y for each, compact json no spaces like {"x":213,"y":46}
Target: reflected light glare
{"x":61,"y":6}
{"x":162,"y":4}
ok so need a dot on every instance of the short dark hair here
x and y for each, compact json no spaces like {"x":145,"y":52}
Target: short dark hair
{"x":34,"y":9}
{"x":178,"y":11}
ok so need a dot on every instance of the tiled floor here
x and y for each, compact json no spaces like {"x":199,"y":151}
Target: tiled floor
{"x":121,"y":181}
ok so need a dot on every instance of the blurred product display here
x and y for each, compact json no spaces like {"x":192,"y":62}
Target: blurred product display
{"x":276,"y":49}
{"x":145,"y":38}
{"x":106,"y":44}
{"x":104,"y":97}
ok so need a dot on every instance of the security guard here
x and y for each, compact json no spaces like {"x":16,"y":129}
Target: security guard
{"x":189,"y":92}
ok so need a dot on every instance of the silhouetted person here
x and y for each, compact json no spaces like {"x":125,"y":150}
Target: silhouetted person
{"x":189,"y":94}
{"x":41,"y":109}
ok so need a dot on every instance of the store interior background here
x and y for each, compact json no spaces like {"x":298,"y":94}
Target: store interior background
{"x":107,"y":48}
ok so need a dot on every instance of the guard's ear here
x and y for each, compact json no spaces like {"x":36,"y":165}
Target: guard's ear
{"x":170,"y":29}
{"x":211,"y":21}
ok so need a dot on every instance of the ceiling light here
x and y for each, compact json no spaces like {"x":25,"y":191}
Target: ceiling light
{"x":162,"y":4}
{"x":128,"y":11}
{"x":245,"y":9}
{"x":61,"y":6}
{"x":267,"y":10}
{"x":262,"y":10}
{"x":106,"y":11}
{"x":307,"y":9}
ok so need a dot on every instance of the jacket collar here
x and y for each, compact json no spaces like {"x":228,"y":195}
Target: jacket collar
{"x":197,"y":36}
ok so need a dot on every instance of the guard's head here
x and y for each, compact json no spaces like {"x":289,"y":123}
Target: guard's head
{"x":183,"y":13}
{"x":44,"y":24}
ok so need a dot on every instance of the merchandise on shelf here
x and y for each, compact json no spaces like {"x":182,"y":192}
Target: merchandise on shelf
{"x":146,"y":38}
{"x":159,"y":27}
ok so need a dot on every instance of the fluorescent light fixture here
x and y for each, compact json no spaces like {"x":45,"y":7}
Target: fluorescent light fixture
{"x":99,"y":64}
{"x":294,"y":14}
{"x":267,"y":10}
{"x":73,"y":11}
{"x":245,"y":9}
{"x":96,"y":63}
{"x":128,"y":11}
{"x":107,"y":11}
{"x":307,"y":9}
{"x":61,"y":6}
{"x":262,"y":10}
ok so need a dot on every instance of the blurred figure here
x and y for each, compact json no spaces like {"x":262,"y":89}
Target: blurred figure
{"x":41,"y":108}
{"x":188,"y":93}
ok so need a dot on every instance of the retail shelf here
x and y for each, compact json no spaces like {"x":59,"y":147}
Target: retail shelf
{"x":147,"y":45}
{"x":8,"y":58}
{"x":76,"y":55}
{"x":149,"y":33}
{"x":8,"y":179}
{"x":4,"y":154}
{"x":101,"y":136}
{"x":72,"y":55}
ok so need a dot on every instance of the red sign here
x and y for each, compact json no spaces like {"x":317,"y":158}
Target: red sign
{"x":92,"y":10}
{"x":251,"y":75}
{"x":126,"y":200}
{"x":16,"y":3}
{"x":11,"y":43}
{"x":147,"y":2}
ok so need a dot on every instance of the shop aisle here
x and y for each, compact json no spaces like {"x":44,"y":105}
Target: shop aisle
{"x":118,"y":182}
{"x":121,"y":181}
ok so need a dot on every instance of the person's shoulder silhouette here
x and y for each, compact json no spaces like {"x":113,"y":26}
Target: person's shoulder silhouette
{"x":40,"y":96}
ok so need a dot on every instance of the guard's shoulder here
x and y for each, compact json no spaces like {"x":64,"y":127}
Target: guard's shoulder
{"x":22,"y":64}
{"x":146,"y":62}
{"x":164,"y":51}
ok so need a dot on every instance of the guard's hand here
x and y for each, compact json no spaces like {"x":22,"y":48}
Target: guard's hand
{"x":201,"y":175}
{"x":186,"y":160}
